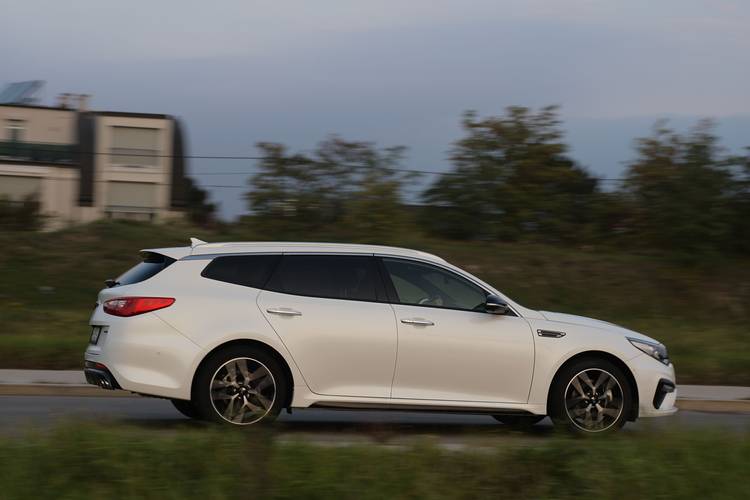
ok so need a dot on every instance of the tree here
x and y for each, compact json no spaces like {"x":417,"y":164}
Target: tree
{"x":512,"y":178}
{"x":197,"y":207}
{"x":347,"y":186}
{"x":680,"y":188}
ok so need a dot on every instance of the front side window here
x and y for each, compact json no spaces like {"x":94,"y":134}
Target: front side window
{"x":421,"y":284}
{"x":327,"y":276}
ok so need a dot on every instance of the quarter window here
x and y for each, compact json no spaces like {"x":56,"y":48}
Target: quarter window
{"x":327,"y":276}
{"x":246,"y":270}
{"x":425,"y":285}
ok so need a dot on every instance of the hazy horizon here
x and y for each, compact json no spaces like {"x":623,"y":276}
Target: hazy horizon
{"x":295,"y":72}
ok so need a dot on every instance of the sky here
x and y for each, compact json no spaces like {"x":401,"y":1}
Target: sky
{"x":392,"y":72}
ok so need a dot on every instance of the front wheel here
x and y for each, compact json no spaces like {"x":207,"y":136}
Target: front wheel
{"x":240,"y":386}
{"x":591,"y":396}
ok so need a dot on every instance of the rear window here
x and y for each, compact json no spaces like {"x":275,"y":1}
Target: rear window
{"x":152,"y":264}
{"x":327,"y":276}
{"x":245,"y":270}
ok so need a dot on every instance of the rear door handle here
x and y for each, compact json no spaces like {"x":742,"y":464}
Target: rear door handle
{"x":283,"y":311}
{"x":417,"y":321}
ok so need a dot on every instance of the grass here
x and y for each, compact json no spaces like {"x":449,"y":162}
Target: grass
{"x":49,"y":281}
{"x":88,"y":461}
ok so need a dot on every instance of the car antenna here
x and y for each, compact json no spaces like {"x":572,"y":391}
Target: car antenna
{"x":194,"y":242}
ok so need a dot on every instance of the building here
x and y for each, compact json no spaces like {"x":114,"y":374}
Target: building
{"x":83,"y":165}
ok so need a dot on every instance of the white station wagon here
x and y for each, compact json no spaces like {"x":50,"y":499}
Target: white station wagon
{"x":237,"y":332}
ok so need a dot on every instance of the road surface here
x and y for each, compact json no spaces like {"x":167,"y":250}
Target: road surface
{"x":21,"y":413}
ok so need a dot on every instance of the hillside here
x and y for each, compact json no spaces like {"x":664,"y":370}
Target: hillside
{"x":49,"y":283}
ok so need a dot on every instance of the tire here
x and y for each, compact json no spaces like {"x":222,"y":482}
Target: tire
{"x":186,"y":408}
{"x":240,"y":385}
{"x":519,"y":421}
{"x":591,"y":396}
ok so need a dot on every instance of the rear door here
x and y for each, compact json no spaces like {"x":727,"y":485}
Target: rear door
{"x":330,"y":311}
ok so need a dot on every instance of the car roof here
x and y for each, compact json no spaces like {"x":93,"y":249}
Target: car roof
{"x":202,"y":248}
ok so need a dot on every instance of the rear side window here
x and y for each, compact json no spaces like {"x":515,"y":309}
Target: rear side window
{"x":245,"y":270}
{"x":152,"y":264}
{"x":327,"y":276}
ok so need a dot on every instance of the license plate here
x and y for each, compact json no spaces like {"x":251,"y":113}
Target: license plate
{"x":95,"y":332}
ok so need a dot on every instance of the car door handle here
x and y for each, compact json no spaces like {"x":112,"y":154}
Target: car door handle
{"x":283,"y":311}
{"x":417,"y":321}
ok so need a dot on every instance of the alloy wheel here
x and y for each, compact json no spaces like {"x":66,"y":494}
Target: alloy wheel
{"x":594,"y":400}
{"x":243,"y":391}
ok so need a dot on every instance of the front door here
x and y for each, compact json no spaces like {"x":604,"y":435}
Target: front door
{"x":449,"y":348}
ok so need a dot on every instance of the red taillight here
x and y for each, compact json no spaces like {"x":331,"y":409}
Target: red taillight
{"x":132,"y":306}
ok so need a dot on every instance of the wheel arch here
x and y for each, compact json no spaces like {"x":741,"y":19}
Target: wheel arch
{"x":612,"y":359}
{"x":257,"y":344}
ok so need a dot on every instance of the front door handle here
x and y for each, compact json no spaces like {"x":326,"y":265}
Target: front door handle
{"x":417,"y":321}
{"x":283,"y":311}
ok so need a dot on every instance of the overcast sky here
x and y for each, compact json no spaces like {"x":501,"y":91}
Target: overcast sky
{"x":394,"y":72}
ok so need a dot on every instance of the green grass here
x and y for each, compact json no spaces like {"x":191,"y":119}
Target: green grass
{"x":49,"y":281}
{"x":85,"y":461}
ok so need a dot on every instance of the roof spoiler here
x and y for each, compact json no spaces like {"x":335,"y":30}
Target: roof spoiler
{"x":194,"y":242}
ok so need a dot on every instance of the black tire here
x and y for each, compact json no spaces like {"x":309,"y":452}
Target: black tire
{"x":617,"y":398}
{"x":519,"y":421}
{"x":256,"y":359}
{"x":186,"y":408}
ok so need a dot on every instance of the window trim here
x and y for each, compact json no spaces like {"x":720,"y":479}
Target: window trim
{"x":393,"y":296}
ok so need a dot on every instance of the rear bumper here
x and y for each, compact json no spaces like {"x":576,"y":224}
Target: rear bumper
{"x":141,"y":354}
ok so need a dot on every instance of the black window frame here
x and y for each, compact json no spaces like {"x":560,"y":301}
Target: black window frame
{"x":381,"y":296}
{"x":393,"y":295}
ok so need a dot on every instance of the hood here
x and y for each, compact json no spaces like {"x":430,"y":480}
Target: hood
{"x":572,"y":319}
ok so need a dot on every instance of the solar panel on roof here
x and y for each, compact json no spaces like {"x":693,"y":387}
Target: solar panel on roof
{"x":20,"y":92}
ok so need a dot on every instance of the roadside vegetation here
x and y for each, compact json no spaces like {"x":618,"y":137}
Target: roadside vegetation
{"x":664,"y":250}
{"x":702,"y":312}
{"x":86,"y":461}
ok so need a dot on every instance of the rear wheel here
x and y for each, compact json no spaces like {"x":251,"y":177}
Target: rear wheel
{"x":240,"y":386}
{"x":591,"y":396}
{"x":519,"y":421}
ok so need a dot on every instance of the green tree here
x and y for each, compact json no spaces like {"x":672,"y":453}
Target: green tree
{"x":198,"y":209}
{"x":680,"y":186}
{"x":343,"y":186}
{"x":512,"y":178}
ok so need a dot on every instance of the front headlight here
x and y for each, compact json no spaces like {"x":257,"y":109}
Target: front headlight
{"x":655,"y":350}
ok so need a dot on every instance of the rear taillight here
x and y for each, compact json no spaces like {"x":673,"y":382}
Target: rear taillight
{"x":132,"y":306}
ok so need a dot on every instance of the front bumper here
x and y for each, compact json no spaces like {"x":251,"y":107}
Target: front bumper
{"x":657,"y":391}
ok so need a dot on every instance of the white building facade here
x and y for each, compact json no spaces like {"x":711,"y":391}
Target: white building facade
{"x":86,"y":165}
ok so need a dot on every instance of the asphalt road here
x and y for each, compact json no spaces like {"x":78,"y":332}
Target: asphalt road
{"x":19,"y":413}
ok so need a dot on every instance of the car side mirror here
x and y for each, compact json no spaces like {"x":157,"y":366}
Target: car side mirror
{"x":495,"y":305}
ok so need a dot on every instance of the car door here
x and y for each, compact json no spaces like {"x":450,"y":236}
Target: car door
{"x":449,"y":348}
{"x":331,"y":313}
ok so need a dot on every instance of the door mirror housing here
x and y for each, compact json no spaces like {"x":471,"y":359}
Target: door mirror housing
{"x":495,"y":305}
